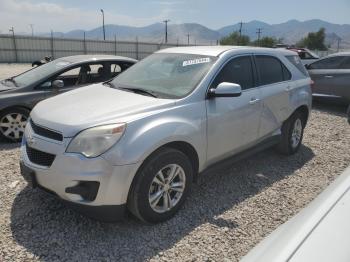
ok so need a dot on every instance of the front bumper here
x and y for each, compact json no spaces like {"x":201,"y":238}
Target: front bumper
{"x":69,"y":170}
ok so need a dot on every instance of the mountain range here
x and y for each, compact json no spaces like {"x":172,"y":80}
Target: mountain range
{"x":290,"y":31}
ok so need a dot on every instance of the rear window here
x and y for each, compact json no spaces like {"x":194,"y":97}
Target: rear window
{"x":271,"y":70}
{"x":295,"y":60}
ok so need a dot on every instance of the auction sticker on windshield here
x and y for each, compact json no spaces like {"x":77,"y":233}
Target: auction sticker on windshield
{"x":196,"y":61}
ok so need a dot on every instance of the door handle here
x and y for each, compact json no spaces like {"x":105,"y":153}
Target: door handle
{"x":328,"y":76}
{"x":254,"y":100}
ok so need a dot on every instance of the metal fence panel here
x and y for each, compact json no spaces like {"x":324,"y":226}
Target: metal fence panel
{"x":28,"y":49}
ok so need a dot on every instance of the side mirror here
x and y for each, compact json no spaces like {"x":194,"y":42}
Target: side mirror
{"x":57,"y":84}
{"x":225,"y":89}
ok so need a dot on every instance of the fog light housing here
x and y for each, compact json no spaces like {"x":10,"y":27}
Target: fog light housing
{"x":86,"y":189}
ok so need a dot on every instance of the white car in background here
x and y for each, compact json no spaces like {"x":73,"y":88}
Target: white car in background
{"x":320,"y":232}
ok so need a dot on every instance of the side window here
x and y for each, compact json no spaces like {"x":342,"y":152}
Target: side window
{"x":83,"y":75}
{"x":286,"y":73}
{"x":97,"y":73}
{"x":327,"y":63}
{"x":345,"y":64}
{"x":70,"y":77}
{"x":115,"y":70}
{"x":239,"y":71}
{"x":295,"y":60}
{"x":271,"y":70}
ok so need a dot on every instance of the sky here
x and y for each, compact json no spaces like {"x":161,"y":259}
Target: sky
{"x":66,"y":15}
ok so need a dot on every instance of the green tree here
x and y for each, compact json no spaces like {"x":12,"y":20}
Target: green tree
{"x":314,"y":40}
{"x":266,"y":42}
{"x":235,"y":39}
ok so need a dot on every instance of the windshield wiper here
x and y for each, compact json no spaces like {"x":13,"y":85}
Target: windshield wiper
{"x":139,"y":91}
{"x":132,"y":89}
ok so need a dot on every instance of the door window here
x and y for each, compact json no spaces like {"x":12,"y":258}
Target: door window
{"x":238,"y":71}
{"x":271,"y":70}
{"x":117,"y":68}
{"x":82,"y":75}
{"x":327,"y":63}
{"x":295,"y":60}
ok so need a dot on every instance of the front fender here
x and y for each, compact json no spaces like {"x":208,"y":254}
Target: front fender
{"x":144,"y":136}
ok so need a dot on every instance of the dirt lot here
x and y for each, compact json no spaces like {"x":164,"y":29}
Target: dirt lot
{"x":232,"y":207}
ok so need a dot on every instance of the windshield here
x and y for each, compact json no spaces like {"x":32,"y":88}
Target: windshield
{"x":166,"y":75}
{"x":39,"y":73}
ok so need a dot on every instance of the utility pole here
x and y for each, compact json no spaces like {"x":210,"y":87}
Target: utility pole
{"x":14,"y":43}
{"x":259,"y":32}
{"x":240,"y":29}
{"x":103,"y":24}
{"x":32,"y":27}
{"x":188,"y":39}
{"x":338,"y":46}
{"x":166,"y":30}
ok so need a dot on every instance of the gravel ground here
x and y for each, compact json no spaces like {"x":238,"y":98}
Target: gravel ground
{"x":232,"y":207}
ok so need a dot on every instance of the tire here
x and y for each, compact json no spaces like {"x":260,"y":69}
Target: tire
{"x":12,"y":123}
{"x":146,"y":188}
{"x":348,"y":114}
{"x":292,"y":134}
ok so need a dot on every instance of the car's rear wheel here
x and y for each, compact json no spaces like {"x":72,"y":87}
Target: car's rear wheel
{"x":292,"y":134}
{"x":12,"y":123}
{"x":161,"y":186}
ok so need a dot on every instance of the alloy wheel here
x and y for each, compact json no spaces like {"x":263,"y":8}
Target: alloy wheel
{"x":167,"y":188}
{"x":296,"y":133}
{"x":12,"y":125}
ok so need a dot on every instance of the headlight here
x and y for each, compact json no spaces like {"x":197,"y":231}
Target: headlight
{"x":95,"y":141}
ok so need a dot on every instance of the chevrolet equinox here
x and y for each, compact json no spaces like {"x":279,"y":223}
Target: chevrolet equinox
{"x":138,"y":142}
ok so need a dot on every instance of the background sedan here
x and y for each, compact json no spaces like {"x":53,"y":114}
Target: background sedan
{"x":19,"y":94}
{"x":331,"y":76}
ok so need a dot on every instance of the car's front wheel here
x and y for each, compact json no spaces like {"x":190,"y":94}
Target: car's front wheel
{"x":161,"y":186}
{"x":12,"y":123}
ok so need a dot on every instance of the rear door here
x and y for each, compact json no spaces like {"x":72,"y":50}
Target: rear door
{"x":232,"y":122}
{"x":275,"y":84}
{"x":327,"y":76}
{"x":342,"y":80}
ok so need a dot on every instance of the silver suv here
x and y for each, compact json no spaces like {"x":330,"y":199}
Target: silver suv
{"x":139,"y":141}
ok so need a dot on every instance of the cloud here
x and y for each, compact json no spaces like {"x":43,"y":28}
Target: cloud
{"x":46,"y":16}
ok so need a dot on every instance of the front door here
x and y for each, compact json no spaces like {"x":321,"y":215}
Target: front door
{"x":327,"y":76}
{"x":233,"y":122}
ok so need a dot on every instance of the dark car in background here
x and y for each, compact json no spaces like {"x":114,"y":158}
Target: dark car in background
{"x":19,"y":94}
{"x":331,"y":76}
{"x":306,"y":55}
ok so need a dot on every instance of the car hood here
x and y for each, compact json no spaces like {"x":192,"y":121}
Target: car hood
{"x":94,"y":105}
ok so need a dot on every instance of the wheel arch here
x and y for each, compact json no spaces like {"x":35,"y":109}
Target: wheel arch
{"x":304,"y":111}
{"x":13,"y":107}
{"x":182,"y":146}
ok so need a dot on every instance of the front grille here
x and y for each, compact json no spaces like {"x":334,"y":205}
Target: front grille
{"x":39,"y":157}
{"x":41,"y":131}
